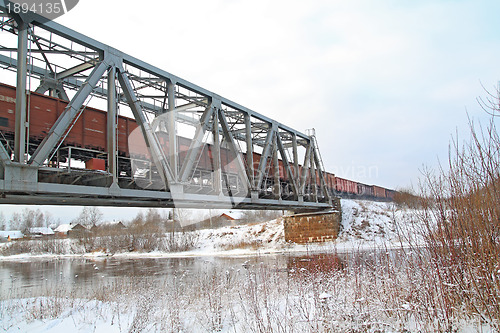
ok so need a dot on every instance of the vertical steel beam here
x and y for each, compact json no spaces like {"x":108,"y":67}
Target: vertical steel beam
{"x":217,"y":175}
{"x":69,"y":116}
{"x":112,"y":124}
{"x":196,"y":144}
{"x":22,"y":67}
{"x":295,"y":158}
{"x":249,"y":143}
{"x":276,"y":165}
{"x":232,"y":147}
{"x":305,"y":169}
{"x":159,"y":159}
{"x":265,"y":155}
{"x":314,"y":184}
{"x":172,"y":130}
{"x":286,"y":165}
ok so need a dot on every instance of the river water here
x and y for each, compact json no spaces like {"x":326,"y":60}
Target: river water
{"x":38,"y":277}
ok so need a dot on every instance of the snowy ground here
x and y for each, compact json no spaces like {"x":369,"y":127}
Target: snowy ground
{"x":365,"y":225}
{"x":385,"y":294}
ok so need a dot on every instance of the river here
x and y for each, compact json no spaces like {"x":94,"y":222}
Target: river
{"x":35,"y":277}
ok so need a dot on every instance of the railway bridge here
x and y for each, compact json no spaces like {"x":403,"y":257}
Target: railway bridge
{"x":82,"y":123}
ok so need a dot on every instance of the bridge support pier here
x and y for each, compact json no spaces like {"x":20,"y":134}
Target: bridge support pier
{"x":315,"y":227}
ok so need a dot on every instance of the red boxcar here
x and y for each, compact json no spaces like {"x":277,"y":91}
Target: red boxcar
{"x":346,"y":186}
{"x":378,"y":191}
{"x":365,"y":190}
{"x":89,"y":131}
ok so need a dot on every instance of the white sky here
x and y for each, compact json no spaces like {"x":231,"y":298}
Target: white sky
{"x":385,"y":83}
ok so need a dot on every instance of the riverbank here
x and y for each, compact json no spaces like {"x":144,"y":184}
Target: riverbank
{"x":366,"y":225}
{"x":374,"y":278}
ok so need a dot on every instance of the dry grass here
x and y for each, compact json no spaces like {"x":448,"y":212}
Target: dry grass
{"x":118,"y":241}
{"x":374,"y":291}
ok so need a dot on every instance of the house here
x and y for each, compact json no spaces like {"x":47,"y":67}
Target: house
{"x":40,"y":232}
{"x":226,"y":218}
{"x":78,"y":230}
{"x":10,"y":235}
{"x":113,"y":225}
{"x":108,"y":226}
{"x":229,"y":218}
{"x":62,"y":230}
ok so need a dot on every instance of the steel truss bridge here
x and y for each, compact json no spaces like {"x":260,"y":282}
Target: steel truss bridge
{"x":244,"y":147}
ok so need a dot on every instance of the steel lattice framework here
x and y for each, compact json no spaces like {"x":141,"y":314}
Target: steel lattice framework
{"x":50,"y":59}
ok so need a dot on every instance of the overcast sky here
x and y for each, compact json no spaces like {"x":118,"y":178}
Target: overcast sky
{"x":385,"y":83}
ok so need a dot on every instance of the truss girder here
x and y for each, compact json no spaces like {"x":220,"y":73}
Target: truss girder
{"x":196,"y":144}
{"x":69,"y":116}
{"x":150,"y":137}
{"x":268,"y":164}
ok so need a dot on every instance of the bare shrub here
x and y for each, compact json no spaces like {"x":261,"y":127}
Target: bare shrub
{"x":462,"y":219}
{"x":406,"y":197}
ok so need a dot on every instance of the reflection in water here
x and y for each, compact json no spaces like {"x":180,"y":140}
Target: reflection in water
{"x":82,"y":276}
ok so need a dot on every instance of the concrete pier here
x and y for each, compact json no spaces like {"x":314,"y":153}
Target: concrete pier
{"x":312,"y":227}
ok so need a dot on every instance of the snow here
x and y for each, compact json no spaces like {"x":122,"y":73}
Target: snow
{"x":14,"y":234}
{"x":366,"y":225}
{"x":41,"y":231}
{"x":63,"y":228}
{"x":236,"y":299}
{"x":76,"y":316}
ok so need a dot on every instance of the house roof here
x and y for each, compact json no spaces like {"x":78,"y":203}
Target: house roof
{"x":13,"y":234}
{"x":111,"y":224}
{"x":63,"y":228}
{"x":79,"y":227}
{"x":233,"y":215}
{"x":41,"y":231}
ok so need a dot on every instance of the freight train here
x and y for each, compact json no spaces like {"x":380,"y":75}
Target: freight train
{"x":88,"y":136}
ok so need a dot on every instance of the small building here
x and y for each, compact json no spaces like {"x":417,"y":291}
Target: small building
{"x":108,"y":226}
{"x":40,"y":232}
{"x":226,"y":218}
{"x":10,"y":235}
{"x":229,"y":218}
{"x":62,"y":230}
{"x":78,"y":230}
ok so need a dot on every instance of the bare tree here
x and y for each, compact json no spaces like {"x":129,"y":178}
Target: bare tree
{"x":138,"y":219}
{"x":16,"y":221}
{"x":2,"y":222}
{"x":153,"y":216}
{"x":89,"y":216}
{"x":39,"y":220}
{"x":28,"y":219}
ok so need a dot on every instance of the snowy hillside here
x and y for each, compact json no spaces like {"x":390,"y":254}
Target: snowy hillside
{"x":365,"y":224}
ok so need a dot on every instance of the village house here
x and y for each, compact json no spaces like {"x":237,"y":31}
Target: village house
{"x":78,"y":230}
{"x":10,"y":235}
{"x":40,"y":232}
{"x":62,"y":230}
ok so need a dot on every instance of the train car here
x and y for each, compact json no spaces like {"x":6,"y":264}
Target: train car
{"x":365,"y":191}
{"x":379,"y":192}
{"x":330,"y":182}
{"x":346,"y":186}
{"x":88,"y":132}
{"x":389,"y":194}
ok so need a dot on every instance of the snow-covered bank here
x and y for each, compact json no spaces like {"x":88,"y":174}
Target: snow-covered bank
{"x":365,"y":225}
{"x":376,"y":291}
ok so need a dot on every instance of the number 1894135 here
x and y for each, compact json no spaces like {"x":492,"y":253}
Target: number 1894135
{"x":38,"y":8}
